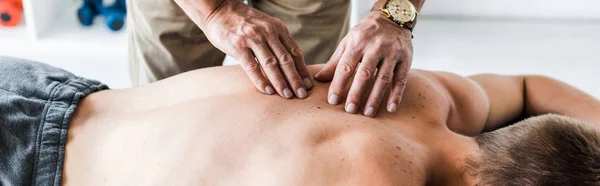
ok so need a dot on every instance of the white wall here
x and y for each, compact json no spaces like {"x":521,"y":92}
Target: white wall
{"x":580,"y":9}
{"x":523,"y":9}
{"x":549,"y":37}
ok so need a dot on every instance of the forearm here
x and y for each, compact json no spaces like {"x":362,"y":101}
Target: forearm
{"x":200,"y":11}
{"x":543,"y":95}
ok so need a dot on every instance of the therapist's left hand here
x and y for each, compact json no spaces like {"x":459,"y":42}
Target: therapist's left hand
{"x":378,"y":53}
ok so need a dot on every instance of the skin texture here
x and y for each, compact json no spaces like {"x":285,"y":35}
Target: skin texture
{"x":260,"y":43}
{"x":390,"y":49}
{"x":376,"y":42}
{"x":274,"y":62}
{"x":195,"y":129}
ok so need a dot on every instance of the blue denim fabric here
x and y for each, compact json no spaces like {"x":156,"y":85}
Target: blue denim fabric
{"x":36,"y":104}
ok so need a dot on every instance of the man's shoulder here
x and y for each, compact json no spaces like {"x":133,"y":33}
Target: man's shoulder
{"x":468,"y":103}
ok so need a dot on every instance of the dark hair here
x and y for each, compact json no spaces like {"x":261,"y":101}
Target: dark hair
{"x":544,"y":150}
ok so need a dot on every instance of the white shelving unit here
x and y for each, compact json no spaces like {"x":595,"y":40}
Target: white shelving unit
{"x":67,"y":30}
{"x":51,"y":33}
{"x":17,"y":33}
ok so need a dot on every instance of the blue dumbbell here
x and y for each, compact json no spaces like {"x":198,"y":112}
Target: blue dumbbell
{"x":122,"y":5}
{"x":114,"y":15}
{"x":87,"y":12}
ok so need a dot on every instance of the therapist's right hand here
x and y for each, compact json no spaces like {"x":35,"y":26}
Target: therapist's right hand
{"x":262,"y":44}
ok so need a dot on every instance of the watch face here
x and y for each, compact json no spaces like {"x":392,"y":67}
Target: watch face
{"x":401,"y":10}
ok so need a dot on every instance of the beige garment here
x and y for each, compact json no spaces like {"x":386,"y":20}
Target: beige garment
{"x":163,"y":41}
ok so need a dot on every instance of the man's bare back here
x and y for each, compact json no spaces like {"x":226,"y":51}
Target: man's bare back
{"x":193,"y":129}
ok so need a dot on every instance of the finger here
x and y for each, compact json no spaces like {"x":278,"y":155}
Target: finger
{"x":398,"y":85}
{"x":288,"y":67}
{"x":343,"y":72}
{"x":270,"y":66}
{"x":254,"y":72}
{"x":298,"y":58}
{"x":327,"y":72}
{"x":382,"y":82}
{"x":364,"y":74}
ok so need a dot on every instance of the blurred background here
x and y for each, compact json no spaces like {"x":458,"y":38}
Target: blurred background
{"x":551,"y":37}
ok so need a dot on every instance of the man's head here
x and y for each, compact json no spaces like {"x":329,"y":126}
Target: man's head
{"x":545,"y":150}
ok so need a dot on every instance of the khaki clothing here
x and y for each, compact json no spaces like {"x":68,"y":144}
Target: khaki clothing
{"x":163,"y":41}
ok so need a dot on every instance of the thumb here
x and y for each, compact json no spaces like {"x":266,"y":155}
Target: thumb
{"x":327,"y":72}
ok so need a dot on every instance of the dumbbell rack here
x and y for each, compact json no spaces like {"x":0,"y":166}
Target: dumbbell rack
{"x":50,"y":32}
{"x":50,"y":28}
{"x":55,"y":21}
{"x":49,"y":19}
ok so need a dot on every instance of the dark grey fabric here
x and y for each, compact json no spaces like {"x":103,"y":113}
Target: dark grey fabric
{"x":36,"y":104}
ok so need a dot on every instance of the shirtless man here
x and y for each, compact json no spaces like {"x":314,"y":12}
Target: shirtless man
{"x":192,"y":130}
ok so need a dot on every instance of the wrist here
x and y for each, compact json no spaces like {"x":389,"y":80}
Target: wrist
{"x":383,"y":18}
{"x":402,"y":13}
{"x":379,"y":4}
{"x":202,"y":11}
{"x":223,"y":6}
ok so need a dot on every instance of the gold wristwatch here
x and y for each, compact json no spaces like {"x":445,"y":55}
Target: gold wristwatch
{"x":403,"y":12}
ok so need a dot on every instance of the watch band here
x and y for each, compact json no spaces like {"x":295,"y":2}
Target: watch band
{"x":409,"y":27}
{"x":379,"y":5}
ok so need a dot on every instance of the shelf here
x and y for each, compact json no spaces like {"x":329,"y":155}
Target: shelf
{"x":93,"y":52}
{"x":13,"y":38}
{"x":67,"y":31}
{"x":13,"y":33}
{"x":8,"y":35}
{"x":52,"y":34}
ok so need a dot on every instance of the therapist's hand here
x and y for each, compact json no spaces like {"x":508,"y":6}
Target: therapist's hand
{"x":264,"y":47}
{"x":384,"y":51}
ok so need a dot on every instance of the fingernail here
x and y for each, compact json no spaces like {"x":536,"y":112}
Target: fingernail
{"x":351,"y":108}
{"x":269,"y":90}
{"x":287,"y":93}
{"x":301,"y":93}
{"x":333,"y":99}
{"x":392,"y":107}
{"x":307,"y":83}
{"x":370,"y":112}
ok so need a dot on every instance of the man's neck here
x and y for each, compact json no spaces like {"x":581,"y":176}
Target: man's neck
{"x":452,"y":165}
